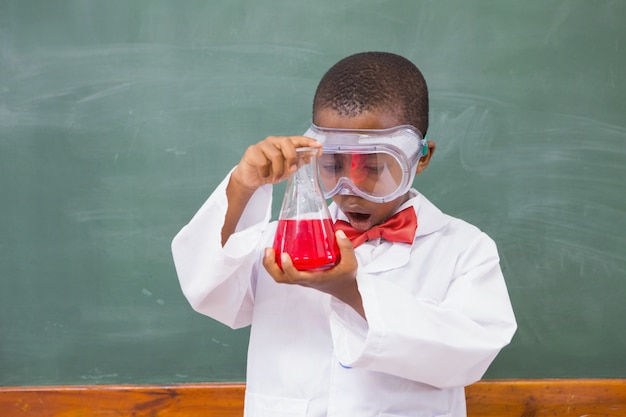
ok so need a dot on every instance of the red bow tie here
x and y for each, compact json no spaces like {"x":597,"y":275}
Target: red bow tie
{"x":400,"y":227}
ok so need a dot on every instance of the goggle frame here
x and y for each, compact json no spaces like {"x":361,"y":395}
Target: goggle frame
{"x":404,"y":143}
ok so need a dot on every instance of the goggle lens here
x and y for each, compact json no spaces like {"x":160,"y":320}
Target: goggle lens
{"x":373,"y":174}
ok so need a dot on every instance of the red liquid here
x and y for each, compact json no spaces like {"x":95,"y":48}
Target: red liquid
{"x":310,"y":243}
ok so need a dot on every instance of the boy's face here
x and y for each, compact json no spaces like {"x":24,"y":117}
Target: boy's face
{"x":364,"y":214}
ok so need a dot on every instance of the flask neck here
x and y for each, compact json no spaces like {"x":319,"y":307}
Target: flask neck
{"x":303,"y":196}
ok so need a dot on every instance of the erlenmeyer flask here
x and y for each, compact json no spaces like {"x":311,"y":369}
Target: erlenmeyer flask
{"x":305,"y":229}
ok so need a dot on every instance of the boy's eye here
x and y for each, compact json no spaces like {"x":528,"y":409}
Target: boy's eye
{"x":331,"y":168}
{"x":374,"y":169}
{"x":331,"y":164}
{"x":368,"y":163}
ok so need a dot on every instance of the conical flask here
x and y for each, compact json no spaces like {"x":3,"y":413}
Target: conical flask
{"x":305,"y":229}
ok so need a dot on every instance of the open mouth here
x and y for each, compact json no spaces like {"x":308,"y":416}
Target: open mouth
{"x":358,"y":217}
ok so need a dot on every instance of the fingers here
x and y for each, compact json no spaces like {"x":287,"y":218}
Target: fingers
{"x":269,"y":262}
{"x":303,"y":141}
{"x":290,"y":274}
{"x":274,"y":158}
{"x":280,"y":275}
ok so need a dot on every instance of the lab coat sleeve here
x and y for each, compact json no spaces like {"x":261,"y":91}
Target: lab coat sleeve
{"x":217,"y":280}
{"x":443,"y":343}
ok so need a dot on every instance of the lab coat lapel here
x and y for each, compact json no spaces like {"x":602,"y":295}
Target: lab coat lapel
{"x":392,"y":256}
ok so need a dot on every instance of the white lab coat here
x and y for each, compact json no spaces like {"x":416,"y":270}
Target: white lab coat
{"x":438,"y":313}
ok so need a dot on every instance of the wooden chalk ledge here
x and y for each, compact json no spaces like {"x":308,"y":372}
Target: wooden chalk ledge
{"x":489,"y":398}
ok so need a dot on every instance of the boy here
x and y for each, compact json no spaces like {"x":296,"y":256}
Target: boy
{"x":397,"y":328}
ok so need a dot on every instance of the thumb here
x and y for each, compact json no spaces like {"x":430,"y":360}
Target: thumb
{"x":348,"y":262}
{"x":345,"y":246}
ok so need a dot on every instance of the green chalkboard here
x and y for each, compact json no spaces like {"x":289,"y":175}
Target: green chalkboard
{"x":118,"y":118}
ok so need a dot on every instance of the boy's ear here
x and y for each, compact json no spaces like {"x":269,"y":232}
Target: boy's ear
{"x":425,"y":160}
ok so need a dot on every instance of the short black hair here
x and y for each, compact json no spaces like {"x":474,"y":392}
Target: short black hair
{"x":371,"y":81}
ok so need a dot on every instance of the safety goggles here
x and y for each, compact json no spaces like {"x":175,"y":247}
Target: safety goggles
{"x":378,"y":165}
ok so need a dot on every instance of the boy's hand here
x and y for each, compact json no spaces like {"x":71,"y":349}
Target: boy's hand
{"x":267,"y":162}
{"x":340,"y":281}
{"x":270,"y":161}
